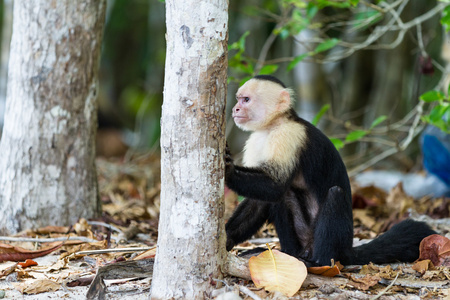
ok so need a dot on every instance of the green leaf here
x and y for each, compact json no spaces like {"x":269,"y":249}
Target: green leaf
{"x":334,"y":3}
{"x":268,"y":69}
{"x":377,"y":121}
{"x":320,"y":114}
{"x":355,"y":135}
{"x":445,"y":20}
{"x":240,"y":44}
{"x":296,"y":60}
{"x":283,"y":33}
{"x":432,"y":96}
{"x":326,"y":45}
{"x":437,"y":113}
{"x":311,"y":10}
{"x":339,"y":144}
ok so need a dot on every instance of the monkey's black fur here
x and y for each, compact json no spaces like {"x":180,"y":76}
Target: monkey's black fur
{"x":312,"y":209}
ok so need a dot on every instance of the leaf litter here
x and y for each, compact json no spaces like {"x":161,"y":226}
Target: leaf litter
{"x":130,"y":197}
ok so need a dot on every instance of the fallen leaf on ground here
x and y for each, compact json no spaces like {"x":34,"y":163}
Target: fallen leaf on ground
{"x":422,"y":266}
{"x":12,"y":253}
{"x":398,"y":200}
{"x":84,"y":247}
{"x":52,"y":229}
{"x":435,"y":248}
{"x":277,"y":271}
{"x":363,"y":216}
{"x":368,"y":196}
{"x":364,"y":283}
{"x":37,"y":286}
{"x":28,"y":263}
{"x":8,"y":270}
{"x":329,"y":271}
{"x":83,"y":228}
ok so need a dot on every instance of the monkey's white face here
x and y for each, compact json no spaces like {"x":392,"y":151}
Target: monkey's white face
{"x":249,"y":111}
{"x":258,"y":102}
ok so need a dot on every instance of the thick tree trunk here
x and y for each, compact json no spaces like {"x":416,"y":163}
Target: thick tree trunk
{"x":191,"y":239}
{"x":47,"y":167}
{"x":6,"y":29}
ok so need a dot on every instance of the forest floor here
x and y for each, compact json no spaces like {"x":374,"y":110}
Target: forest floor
{"x":130,"y":196}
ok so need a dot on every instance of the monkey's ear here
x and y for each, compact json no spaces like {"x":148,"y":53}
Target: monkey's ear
{"x":284,"y":102}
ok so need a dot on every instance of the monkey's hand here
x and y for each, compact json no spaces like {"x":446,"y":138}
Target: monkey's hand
{"x":230,"y":244}
{"x":229,"y":163}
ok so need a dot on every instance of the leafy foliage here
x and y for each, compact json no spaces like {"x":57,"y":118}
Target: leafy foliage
{"x":439,"y":115}
{"x":331,"y":23}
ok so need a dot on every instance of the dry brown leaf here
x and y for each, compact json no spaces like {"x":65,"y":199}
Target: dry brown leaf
{"x":422,"y":266}
{"x":435,"y":248}
{"x":369,"y":269}
{"x":398,"y":200}
{"x":328,"y":271}
{"x":82,"y":228}
{"x":37,"y":286}
{"x":363,"y":216}
{"x":58,"y":265}
{"x":276,"y":271}
{"x":52,"y":229}
{"x":364,"y":283}
{"x":84,"y":247}
{"x":368,"y":196}
{"x":11,"y":253}
{"x":28,"y":263}
{"x":8,"y":270}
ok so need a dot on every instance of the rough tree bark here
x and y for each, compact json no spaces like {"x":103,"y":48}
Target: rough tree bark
{"x":191,"y":238}
{"x":6,"y":31}
{"x":47,"y":167}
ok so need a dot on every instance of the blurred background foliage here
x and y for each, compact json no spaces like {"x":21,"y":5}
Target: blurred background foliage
{"x":361,"y":64}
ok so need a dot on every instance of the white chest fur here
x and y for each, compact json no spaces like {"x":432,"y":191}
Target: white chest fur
{"x":279,"y":146}
{"x":255,"y":151}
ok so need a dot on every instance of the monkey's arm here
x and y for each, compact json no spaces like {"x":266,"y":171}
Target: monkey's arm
{"x":252,"y":182}
{"x":249,"y":216}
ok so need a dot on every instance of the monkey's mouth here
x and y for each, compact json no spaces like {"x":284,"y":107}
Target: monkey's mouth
{"x":239,"y":119}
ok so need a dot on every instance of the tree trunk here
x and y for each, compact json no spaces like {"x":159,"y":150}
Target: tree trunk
{"x":6,"y":29}
{"x":47,"y":166}
{"x":191,"y":238}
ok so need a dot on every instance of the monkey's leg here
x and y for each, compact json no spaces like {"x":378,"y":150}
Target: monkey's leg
{"x":333,"y":235}
{"x":283,"y":219}
{"x":248,"y":217}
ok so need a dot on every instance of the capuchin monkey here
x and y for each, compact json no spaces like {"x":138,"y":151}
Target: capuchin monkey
{"x":293,"y":176}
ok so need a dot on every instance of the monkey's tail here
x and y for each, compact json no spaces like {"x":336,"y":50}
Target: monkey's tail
{"x":399,"y":244}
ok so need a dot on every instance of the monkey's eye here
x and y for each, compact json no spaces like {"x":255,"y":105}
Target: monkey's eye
{"x":246,"y":99}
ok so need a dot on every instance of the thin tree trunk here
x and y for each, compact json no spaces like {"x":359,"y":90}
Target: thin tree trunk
{"x":47,"y":166}
{"x":191,"y":238}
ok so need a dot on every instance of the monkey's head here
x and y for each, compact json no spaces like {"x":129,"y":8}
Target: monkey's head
{"x":260,"y":101}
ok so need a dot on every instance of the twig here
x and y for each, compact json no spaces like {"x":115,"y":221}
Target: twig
{"x":265,"y":50}
{"x":372,"y":161}
{"x":394,"y":24}
{"x":386,"y":289}
{"x":245,"y":290}
{"x":413,"y":132}
{"x":136,"y":249}
{"x":47,"y":240}
{"x":112,"y":227}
